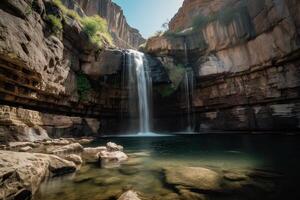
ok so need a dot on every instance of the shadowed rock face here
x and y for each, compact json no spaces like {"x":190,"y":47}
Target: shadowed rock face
{"x":63,"y":75}
{"x":124,"y":35}
{"x":246,"y":67}
{"x":246,"y":70}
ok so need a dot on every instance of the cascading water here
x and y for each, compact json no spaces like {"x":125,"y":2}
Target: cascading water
{"x":188,"y":95}
{"x":138,"y":61}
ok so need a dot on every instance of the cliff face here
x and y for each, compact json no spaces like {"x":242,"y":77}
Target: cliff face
{"x":124,"y":35}
{"x":245,"y":57}
{"x":53,"y":75}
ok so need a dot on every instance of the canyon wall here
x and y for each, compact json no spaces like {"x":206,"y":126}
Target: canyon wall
{"x":245,"y":59}
{"x":124,"y":35}
{"x":53,"y":75}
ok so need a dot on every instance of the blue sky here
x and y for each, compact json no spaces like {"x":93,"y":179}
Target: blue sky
{"x":148,"y":15}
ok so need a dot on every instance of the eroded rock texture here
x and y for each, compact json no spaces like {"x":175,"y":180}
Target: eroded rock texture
{"x":22,"y":173}
{"x":245,"y":58}
{"x":124,"y":35}
{"x":62,"y":76}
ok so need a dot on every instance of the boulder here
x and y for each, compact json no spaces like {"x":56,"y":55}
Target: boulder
{"x":22,"y":173}
{"x":91,"y":154}
{"x":114,"y":147}
{"x":74,"y":158}
{"x":59,"y":166}
{"x":129,"y":195}
{"x":193,"y":177}
{"x":111,"y":159}
{"x":68,"y":149}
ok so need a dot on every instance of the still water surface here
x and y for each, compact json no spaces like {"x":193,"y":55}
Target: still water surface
{"x":150,"y":155}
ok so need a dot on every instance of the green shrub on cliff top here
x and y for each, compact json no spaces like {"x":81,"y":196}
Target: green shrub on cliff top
{"x":97,"y":30}
{"x":94,"y":26}
{"x":56,"y":24}
{"x":66,"y":11}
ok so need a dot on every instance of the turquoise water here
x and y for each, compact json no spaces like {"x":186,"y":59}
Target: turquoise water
{"x":150,"y":155}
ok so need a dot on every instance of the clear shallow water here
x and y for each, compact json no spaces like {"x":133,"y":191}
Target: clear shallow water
{"x":149,"y":155}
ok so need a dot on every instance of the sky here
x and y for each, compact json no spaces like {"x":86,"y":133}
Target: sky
{"x":149,"y":15}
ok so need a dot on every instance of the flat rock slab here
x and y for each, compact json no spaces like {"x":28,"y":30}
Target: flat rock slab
{"x":193,"y":177}
{"x":67,"y":149}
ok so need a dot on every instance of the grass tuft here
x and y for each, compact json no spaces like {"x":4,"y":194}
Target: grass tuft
{"x":94,"y":26}
{"x":56,"y":24}
{"x":97,"y":30}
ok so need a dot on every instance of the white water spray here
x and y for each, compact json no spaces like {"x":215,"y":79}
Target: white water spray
{"x":144,"y":88}
{"x":188,"y":95}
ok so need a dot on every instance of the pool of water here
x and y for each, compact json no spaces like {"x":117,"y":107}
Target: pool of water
{"x":149,"y":156}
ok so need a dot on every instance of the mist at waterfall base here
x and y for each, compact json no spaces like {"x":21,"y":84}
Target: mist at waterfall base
{"x":139,"y":84}
{"x":137,"y":79}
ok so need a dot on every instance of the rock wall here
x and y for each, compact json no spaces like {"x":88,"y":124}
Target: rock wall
{"x":124,"y":35}
{"x":51,"y":75}
{"x":245,"y":58}
{"x":18,"y":124}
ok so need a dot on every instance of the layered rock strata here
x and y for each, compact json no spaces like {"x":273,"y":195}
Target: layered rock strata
{"x":245,"y":59}
{"x":64,"y":83}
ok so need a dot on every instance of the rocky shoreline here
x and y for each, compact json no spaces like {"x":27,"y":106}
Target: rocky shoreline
{"x":25,"y":165}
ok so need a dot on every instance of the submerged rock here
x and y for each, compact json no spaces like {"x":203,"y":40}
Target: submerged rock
{"x":193,"y":177}
{"x":129,"y":170}
{"x":187,"y":194}
{"x":82,"y":178}
{"x":140,"y":154}
{"x":235,"y":176}
{"x":91,"y":154}
{"x":129,"y":195}
{"x":133,"y":162}
{"x":107,"y":181}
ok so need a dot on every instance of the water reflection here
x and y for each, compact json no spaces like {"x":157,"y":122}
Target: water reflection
{"x":257,"y":156}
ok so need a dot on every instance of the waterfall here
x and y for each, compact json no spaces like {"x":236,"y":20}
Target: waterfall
{"x":138,"y":66}
{"x":188,"y":97}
